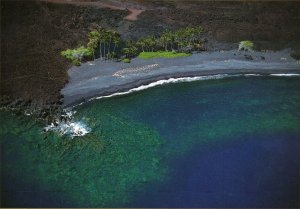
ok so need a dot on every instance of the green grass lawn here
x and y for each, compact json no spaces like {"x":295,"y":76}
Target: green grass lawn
{"x":161,"y":54}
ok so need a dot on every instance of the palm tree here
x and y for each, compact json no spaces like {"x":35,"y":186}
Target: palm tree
{"x":126,"y":51}
{"x":110,"y":36}
{"x":152,"y":42}
{"x":101,"y":40}
{"x":164,"y":40}
{"x":116,"y":40}
{"x":129,"y":51}
{"x":93,"y":41}
{"x":196,"y":36}
{"x":141,"y":43}
{"x":179,"y":39}
{"x":105,"y":37}
{"x":170,"y":38}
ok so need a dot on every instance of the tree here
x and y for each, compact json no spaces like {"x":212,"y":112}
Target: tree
{"x":116,"y":40}
{"x":246,"y":45}
{"x":108,"y":40}
{"x":103,"y":39}
{"x":164,"y":40}
{"x":179,"y":37}
{"x":94,"y":37}
{"x":142,"y":44}
{"x":111,"y":38}
{"x":130,"y":51}
{"x":150,"y":42}
{"x":170,"y":38}
{"x":126,"y":51}
{"x":76,"y":55}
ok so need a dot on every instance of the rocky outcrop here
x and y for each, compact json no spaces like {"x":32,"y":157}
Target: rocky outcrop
{"x":32,"y":35}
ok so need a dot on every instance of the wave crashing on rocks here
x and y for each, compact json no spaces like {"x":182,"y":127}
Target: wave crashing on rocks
{"x":69,"y":127}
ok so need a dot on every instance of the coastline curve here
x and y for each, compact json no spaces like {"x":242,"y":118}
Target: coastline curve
{"x":97,"y":78}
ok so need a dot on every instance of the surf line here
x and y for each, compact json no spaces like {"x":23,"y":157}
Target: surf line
{"x":179,"y":80}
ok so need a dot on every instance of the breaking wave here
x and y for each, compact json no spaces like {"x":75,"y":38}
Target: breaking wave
{"x":78,"y":128}
{"x":179,"y":80}
{"x":285,"y":74}
{"x":167,"y":81}
{"x":69,"y":126}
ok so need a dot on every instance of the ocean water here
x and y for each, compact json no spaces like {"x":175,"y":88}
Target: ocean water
{"x":231,"y":142}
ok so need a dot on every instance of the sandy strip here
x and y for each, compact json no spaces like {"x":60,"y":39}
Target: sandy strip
{"x":100,"y":78}
{"x":134,"y":14}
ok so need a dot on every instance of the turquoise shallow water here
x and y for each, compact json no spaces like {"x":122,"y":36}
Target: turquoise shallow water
{"x":230,"y":142}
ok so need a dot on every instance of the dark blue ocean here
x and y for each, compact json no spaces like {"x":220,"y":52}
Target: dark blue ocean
{"x":231,"y":142}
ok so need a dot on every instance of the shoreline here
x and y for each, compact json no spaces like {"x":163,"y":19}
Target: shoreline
{"x":169,"y":79}
{"x":98,"y":78}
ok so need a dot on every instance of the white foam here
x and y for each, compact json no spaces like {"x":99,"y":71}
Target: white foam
{"x":69,"y":128}
{"x":252,"y":75}
{"x":178,"y":80}
{"x":285,"y":74}
{"x":73,"y":128}
{"x":166,"y":81}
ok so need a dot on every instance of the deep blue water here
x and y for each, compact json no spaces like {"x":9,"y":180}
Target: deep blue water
{"x":257,"y":171}
{"x":219,"y":143}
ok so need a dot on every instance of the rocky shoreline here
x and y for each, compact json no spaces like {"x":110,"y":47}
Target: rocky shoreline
{"x":48,"y":113}
{"x":102,"y":78}
{"x":33,"y":72}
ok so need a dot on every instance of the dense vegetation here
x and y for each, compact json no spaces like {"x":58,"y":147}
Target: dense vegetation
{"x":246,"y":45}
{"x":107,"y":44}
{"x":76,"y":55}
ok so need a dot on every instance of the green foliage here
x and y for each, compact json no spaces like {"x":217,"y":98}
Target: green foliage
{"x":111,"y":55}
{"x":85,"y":52}
{"x":161,"y":54}
{"x":150,"y":42}
{"x":67,"y":54}
{"x":108,"y":41}
{"x":126,"y":60}
{"x":141,"y":44}
{"x":184,"y":39}
{"x":105,"y":40}
{"x":76,"y":62}
{"x":76,"y":55}
{"x":130,"y":51}
{"x":246,"y":45}
{"x":94,"y":37}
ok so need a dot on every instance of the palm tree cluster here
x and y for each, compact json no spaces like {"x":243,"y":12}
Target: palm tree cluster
{"x":184,"y":39}
{"x":106,"y":41}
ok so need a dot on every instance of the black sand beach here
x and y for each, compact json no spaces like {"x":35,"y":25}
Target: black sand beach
{"x":100,"y":78}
